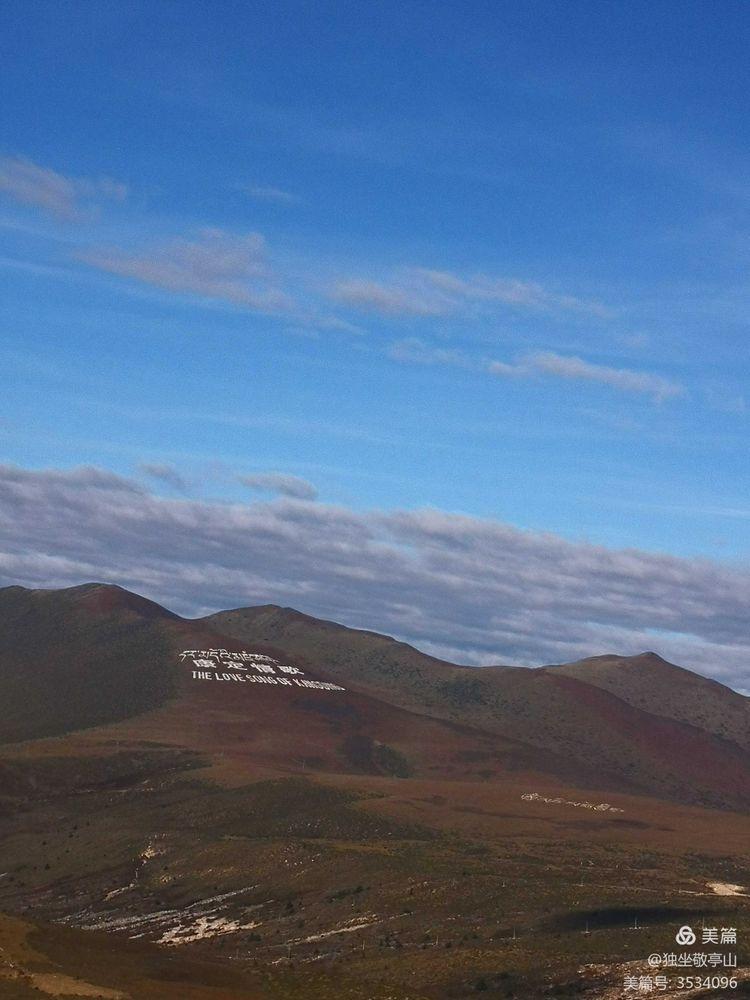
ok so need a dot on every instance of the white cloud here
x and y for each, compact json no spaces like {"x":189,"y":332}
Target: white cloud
{"x":505,"y":369}
{"x":60,"y":196}
{"x":576,"y":369}
{"x":390,"y":300}
{"x":215,"y":265}
{"x":511,"y":292}
{"x":412,"y":350}
{"x":424,"y":292}
{"x":482,"y":588}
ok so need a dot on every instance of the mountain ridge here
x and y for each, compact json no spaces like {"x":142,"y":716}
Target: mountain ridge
{"x":103,"y":654}
{"x":289,"y":799}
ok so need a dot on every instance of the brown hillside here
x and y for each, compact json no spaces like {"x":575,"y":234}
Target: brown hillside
{"x":652,"y":684}
{"x":96,"y":654}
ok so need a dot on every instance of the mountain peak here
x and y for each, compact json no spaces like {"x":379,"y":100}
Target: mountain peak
{"x":109,"y":597}
{"x":96,"y":596}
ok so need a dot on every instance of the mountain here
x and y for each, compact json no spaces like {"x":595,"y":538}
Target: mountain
{"x":97,"y":654}
{"x":651,"y":683}
{"x":79,"y":657}
{"x":92,"y":655}
{"x":646,"y":723}
{"x":259,"y":804}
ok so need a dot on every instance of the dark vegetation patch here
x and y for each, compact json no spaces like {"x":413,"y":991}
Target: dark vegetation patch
{"x":464,"y":691}
{"x":296,"y":807}
{"x":44,"y":778}
{"x":344,"y":893}
{"x":369,"y":756}
{"x":621,"y":916}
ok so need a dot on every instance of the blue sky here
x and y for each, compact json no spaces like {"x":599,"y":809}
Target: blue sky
{"x":490,"y":258}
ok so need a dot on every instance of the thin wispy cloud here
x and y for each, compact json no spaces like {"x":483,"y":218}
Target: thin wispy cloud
{"x":65,"y":198}
{"x":479,"y":587}
{"x":335,"y":323}
{"x":280,"y":482}
{"x":412,"y":350}
{"x":215,"y":264}
{"x":425,"y":292}
{"x":577,"y":370}
{"x":166,"y":474}
{"x":389,"y":300}
{"x":261,"y":192}
{"x":542,"y":363}
{"x":726,"y":399}
{"x":512,"y":292}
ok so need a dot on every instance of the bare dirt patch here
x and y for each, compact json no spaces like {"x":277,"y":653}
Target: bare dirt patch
{"x":727,"y":889}
{"x":57,"y":985}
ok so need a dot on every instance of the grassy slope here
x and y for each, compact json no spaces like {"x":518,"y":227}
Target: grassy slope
{"x":347,"y":885}
{"x":636,"y":742}
{"x":79,"y":657}
{"x":648,"y":682}
{"x":349,"y":888}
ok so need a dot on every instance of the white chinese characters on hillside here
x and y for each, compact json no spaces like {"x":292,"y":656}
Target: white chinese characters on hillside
{"x":249,"y":668}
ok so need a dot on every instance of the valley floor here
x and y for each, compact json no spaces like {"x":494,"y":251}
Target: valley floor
{"x":217,"y":882}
